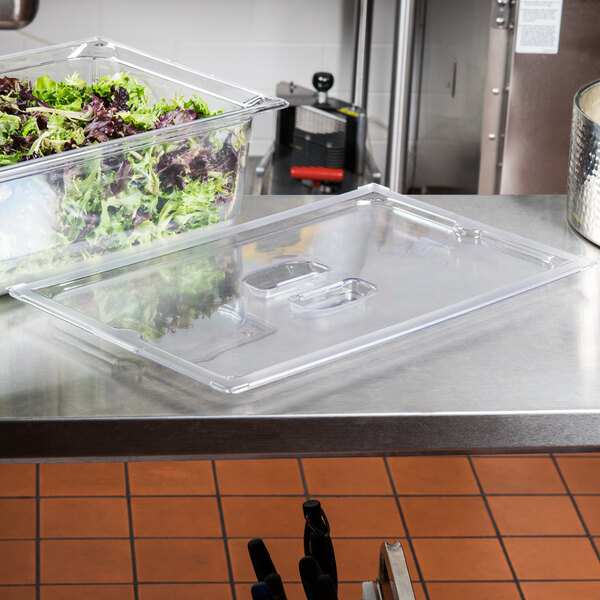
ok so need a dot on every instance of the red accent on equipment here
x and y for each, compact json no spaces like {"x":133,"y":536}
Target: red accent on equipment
{"x":317,"y":173}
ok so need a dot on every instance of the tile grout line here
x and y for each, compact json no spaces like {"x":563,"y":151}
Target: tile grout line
{"x":496,"y":529}
{"x":298,"y":495}
{"x":287,"y":537}
{"x":131,"y":533}
{"x":303,"y":478}
{"x":80,"y":584}
{"x":297,"y":582}
{"x":406,"y":530}
{"x":38,"y":563}
{"x":224,"y":531}
{"x":576,"y":507}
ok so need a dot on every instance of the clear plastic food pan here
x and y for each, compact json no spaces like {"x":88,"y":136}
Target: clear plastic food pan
{"x":74,"y":205}
{"x":266,"y":299}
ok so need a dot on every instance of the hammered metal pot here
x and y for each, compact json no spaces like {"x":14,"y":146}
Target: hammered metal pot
{"x":583,"y":189}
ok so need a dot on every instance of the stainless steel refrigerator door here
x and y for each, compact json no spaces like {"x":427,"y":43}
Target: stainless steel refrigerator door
{"x":437,"y":95}
{"x":535,"y":156}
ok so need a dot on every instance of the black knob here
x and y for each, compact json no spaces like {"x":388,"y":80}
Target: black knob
{"x":322,"y":81}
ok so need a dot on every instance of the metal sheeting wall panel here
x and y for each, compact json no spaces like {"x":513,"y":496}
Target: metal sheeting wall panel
{"x":450,"y":101}
{"x":542,"y":88}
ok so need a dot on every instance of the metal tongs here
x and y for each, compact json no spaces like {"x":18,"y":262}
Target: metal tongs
{"x":393,"y":582}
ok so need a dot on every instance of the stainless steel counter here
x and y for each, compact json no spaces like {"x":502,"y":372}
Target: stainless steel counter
{"x":521,"y":374}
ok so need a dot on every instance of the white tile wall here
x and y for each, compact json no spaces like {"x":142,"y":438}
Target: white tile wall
{"x":256,"y":43}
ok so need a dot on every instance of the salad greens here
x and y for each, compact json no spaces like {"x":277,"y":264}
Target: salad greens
{"x":165,"y":301}
{"x":126,"y":196}
{"x":51,"y":116}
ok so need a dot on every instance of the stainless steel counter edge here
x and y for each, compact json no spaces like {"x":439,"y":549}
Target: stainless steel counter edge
{"x":188,"y":437}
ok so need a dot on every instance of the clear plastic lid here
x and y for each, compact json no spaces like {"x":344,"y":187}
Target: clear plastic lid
{"x":269,"y":298}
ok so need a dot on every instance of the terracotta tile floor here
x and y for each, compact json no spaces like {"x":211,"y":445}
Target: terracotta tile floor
{"x":520,"y":527}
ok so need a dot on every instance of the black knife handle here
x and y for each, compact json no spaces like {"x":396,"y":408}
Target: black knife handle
{"x":315,"y":516}
{"x":326,"y":589}
{"x":261,"y":559}
{"x":261,"y":591}
{"x":321,"y":548}
{"x":273,"y":580}
{"x":317,"y":541}
{"x":309,"y":574}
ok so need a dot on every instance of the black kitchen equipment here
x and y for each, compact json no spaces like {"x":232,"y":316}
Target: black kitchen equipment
{"x":310,"y":571}
{"x":317,"y":541}
{"x":265,"y":570}
{"x":319,"y":136}
{"x":316,"y":130}
{"x":272,"y":173}
{"x":326,"y":588}
{"x":261,"y":591}
{"x":317,"y":585}
{"x":273,"y":580}
{"x":261,"y":559}
{"x":318,"y":570}
{"x":320,"y":130}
